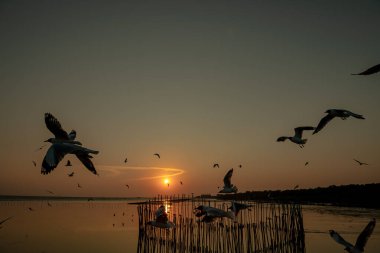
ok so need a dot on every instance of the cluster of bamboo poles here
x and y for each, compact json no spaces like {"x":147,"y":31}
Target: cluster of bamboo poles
{"x":266,"y":227}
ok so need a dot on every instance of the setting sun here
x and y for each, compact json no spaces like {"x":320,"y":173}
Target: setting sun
{"x":166,"y":181}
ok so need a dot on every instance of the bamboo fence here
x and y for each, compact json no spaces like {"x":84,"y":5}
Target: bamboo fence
{"x":265,"y":227}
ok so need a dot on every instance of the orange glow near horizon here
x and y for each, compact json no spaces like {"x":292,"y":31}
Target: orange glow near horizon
{"x":166,"y":181}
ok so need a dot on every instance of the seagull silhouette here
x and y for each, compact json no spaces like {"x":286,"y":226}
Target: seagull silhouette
{"x":216,"y":165}
{"x":161,"y":219}
{"x":68,"y":163}
{"x":63,"y":144}
{"x":211,"y":213}
{"x":307,"y":163}
{"x":181,"y":182}
{"x":60,"y":135}
{"x":360,"y":163}
{"x":49,"y":204}
{"x":126,"y":160}
{"x":79,"y":186}
{"x":228,"y":187}
{"x":71,"y":174}
{"x":370,"y":71}
{"x":50,"y":192}
{"x":158,"y":155}
{"x":127,"y":186}
{"x":240,"y":166}
{"x":34,"y":163}
{"x":31,"y":209}
{"x":296,"y":187}
{"x":361,"y":241}
{"x":332,"y":113}
{"x":297,"y":138}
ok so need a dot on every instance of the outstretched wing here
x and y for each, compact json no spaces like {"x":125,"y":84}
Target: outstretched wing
{"x":227,"y":178}
{"x":370,"y":71}
{"x":85,"y":159}
{"x":365,"y":234}
{"x":298,"y":130}
{"x":323,"y":123}
{"x":55,"y":127}
{"x":358,"y":116}
{"x":334,"y":235}
{"x":53,"y":156}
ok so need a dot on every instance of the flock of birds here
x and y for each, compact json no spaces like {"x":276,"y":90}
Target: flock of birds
{"x":209,"y":214}
{"x":331,"y":114}
{"x":64,"y":143}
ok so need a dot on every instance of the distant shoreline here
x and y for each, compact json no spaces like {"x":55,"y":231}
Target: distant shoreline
{"x":353,"y":195}
{"x":66,"y":198}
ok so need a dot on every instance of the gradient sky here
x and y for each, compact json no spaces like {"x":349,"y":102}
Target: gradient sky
{"x":196,"y":81}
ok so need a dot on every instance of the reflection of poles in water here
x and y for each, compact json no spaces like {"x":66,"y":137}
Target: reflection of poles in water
{"x":267,"y":227}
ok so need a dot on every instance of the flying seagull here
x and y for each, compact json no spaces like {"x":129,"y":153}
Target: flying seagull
{"x":60,"y":135}
{"x":361,"y":241}
{"x":307,"y":163}
{"x":71,"y":174}
{"x":360,"y":163}
{"x":50,"y":192}
{"x":240,"y":166}
{"x":34,"y":163}
{"x":126,"y":160}
{"x":297,"y":138}
{"x":211,"y":213}
{"x":216,"y":165}
{"x":31,"y":209}
{"x":228,"y":187}
{"x":49,"y":204}
{"x":181,"y":182}
{"x":370,"y":71}
{"x":79,"y":186}
{"x":161,"y":219}
{"x":127,"y":186}
{"x":296,"y":187}
{"x":68,"y":163}
{"x":158,"y":155}
{"x":57,"y":151}
{"x":332,"y":113}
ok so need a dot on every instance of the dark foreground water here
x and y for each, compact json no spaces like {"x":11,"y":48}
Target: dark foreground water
{"x":112,"y":227}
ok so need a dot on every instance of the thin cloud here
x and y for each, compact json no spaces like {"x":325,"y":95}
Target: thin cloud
{"x":118,"y":170}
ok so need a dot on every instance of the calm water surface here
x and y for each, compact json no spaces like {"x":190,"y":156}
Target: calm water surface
{"x":112,"y":226}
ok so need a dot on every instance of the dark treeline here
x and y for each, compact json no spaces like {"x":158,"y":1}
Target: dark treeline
{"x":352,"y":195}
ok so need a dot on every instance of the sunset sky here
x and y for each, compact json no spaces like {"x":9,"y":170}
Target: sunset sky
{"x":198,"y":82}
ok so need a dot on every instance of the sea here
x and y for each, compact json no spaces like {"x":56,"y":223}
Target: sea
{"x":109,"y":225}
